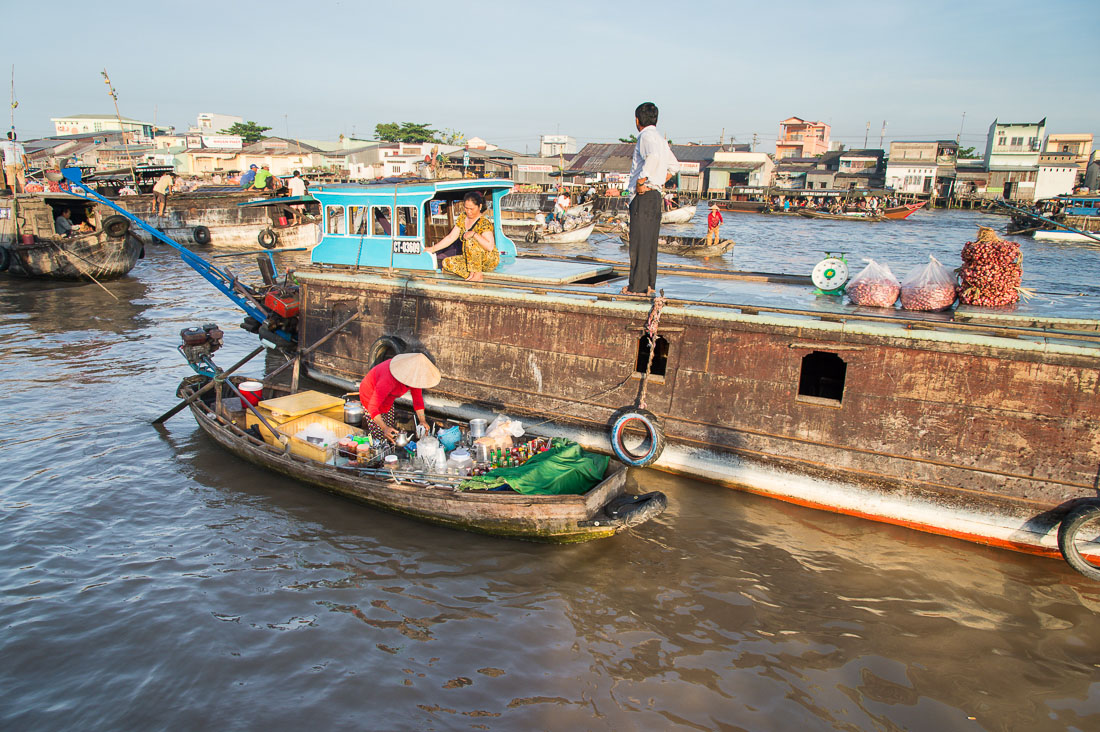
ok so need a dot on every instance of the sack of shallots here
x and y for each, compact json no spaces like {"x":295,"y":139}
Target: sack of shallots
{"x":928,"y":287}
{"x":875,"y":286}
{"x":992,"y":271}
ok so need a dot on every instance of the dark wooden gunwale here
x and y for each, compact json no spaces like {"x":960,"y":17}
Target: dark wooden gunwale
{"x":95,"y":253}
{"x":553,"y":519}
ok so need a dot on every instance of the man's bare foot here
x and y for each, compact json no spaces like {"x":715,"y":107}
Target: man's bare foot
{"x":627,"y":291}
{"x":475,"y":277}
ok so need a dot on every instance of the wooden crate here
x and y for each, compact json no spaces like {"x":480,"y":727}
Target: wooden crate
{"x":307,"y":449}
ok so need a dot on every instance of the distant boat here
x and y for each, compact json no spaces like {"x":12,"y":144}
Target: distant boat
{"x":1065,"y":236}
{"x":680,"y":215}
{"x":741,"y":206}
{"x":902,"y":211}
{"x":572,"y":236}
{"x":851,"y":216}
{"x":692,"y":246}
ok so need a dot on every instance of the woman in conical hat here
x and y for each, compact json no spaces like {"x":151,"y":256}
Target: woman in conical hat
{"x":405,"y":373}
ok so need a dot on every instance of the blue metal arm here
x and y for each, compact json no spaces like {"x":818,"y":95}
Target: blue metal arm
{"x":221,"y":279}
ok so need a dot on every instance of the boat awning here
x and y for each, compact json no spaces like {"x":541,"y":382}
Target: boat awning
{"x":278,"y":201}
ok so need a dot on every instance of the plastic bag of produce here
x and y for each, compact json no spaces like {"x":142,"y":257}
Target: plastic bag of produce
{"x":875,"y":286}
{"x":992,"y":271}
{"x":928,"y":287}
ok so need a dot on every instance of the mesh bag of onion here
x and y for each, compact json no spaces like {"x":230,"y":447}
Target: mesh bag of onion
{"x":928,"y":287}
{"x":992,"y":271}
{"x":875,"y":286}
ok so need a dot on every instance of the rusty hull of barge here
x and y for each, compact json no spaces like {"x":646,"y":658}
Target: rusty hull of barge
{"x":980,"y":426}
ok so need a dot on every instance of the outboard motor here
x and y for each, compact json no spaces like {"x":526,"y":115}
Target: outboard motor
{"x":199,"y":344}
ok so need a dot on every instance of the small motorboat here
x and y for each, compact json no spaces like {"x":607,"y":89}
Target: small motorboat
{"x":680,"y":215}
{"x":569,"y":236}
{"x":605,"y":510}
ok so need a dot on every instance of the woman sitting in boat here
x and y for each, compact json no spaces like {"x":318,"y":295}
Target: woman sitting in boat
{"x":479,"y":249}
{"x":405,"y":373}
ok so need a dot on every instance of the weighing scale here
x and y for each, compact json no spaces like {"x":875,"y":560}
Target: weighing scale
{"x":830,"y":275}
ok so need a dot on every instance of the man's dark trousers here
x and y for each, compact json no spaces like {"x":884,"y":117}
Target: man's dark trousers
{"x":645,"y":225}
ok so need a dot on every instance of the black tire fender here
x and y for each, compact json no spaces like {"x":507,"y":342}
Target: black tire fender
{"x":628,"y":417}
{"x":1071,"y":525}
{"x":116,"y":226}
{"x":385,"y":347}
{"x":201,"y":235}
{"x":266,"y":239}
{"x":5,"y":259}
{"x":634,"y":510}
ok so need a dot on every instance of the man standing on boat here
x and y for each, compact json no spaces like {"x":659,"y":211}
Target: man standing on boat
{"x":161,"y":189}
{"x":653,"y":166}
{"x":15,"y":163}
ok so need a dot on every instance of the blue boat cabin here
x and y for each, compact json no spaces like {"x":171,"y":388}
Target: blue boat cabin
{"x":358,"y":226}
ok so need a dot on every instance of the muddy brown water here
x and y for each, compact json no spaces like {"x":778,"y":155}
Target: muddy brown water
{"x":152,"y":581}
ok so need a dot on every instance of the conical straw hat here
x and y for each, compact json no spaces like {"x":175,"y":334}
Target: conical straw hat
{"x":414,"y":370}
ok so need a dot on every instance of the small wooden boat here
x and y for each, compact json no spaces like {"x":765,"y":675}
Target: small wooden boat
{"x":572,"y":236}
{"x":903,"y":211}
{"x":603,"y":511}
{"x":680,"y":215}
{"x":580,"y":208}
{"x":851,"y":216}
{"x":29,"y":246}
{"x":692,"y":246}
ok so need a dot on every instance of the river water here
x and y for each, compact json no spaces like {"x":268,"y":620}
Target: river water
{"x":152,"y":581}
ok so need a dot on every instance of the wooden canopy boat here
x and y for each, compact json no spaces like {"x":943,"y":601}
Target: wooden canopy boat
{"x":692,"y":246}
{"x":680,"y":215}
{"x":852,"y":216}
{"x":903,"y":211}
{"x":603,"y":511}
{"x":30,"y":247}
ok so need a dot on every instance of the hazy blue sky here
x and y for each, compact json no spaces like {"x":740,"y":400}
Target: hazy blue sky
{"x":510,"y":71}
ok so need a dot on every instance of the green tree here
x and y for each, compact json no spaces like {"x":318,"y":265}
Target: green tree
{"x":632,"y":139}
{"x":405,"y":132}
{"x":249,"y":131}
{"x":968,"y":153}
{"x":452,"y":137}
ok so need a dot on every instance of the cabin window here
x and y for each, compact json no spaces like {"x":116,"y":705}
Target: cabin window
{"x":357,"y":220}
{"x":660,"y":356}
{"x":822,"y":376}
{"x":406,"y":221}
{"x":334,"y":219}
{"x":380,"y":221}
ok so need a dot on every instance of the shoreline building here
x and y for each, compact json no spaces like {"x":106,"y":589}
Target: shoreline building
{"x":925,"y":167}
{"x":134,"y":130}
{"x":801,"y":139}
{"x":1012,"y":158}
{"x":1079,"y":144}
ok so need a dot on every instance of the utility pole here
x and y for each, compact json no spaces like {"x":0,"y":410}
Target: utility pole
{"x":722,"y":137}
{"x":866,"y":134}
{"x":753,"y":148}
{"x":958,"y":137}
{"x":882,"y":135}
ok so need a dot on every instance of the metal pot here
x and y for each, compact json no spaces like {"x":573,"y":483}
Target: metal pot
{"x":353,"y":413}
{"x":402,"y":439}
{"x":477,"y":428}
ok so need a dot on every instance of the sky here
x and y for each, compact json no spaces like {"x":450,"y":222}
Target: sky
{"x":509,"y":72}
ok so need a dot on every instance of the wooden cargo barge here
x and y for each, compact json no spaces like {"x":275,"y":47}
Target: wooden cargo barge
{"x":977,"y":424}
{"x":219,"y":219}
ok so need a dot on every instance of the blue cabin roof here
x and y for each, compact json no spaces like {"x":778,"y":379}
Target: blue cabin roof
{"x":356,"y":226}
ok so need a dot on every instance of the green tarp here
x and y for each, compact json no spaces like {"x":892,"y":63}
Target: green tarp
{"x":563,"y":469}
